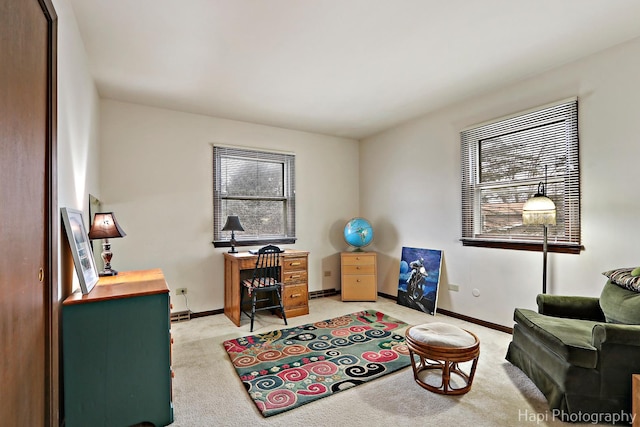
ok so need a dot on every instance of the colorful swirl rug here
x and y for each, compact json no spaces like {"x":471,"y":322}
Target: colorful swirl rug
{"x":284,"y":369}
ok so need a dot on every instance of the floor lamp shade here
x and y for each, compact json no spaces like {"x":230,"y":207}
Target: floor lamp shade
{"x":539,"y":210}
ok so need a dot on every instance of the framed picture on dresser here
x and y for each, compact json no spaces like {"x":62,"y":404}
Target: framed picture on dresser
{"x":80,"y":249}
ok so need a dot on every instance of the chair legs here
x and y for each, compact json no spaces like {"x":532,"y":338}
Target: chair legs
{"x":284,"y":315}
{"x":253,"y":308}
{"x":253,"y":299}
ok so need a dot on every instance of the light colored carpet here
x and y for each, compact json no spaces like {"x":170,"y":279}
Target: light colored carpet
{"x":207,"y":391}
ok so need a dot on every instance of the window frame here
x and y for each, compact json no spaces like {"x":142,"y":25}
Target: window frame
{"x":221,"y":238}
{"x":566,"y":238}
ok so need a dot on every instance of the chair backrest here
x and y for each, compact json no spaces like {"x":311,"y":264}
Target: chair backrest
{"x":267,"y":264}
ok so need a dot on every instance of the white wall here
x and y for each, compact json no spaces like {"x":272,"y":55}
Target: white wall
{"x":410,"y":189}
{"x":78,"y":121}
{"x":156,"y":175}
{"x":156,"y":167}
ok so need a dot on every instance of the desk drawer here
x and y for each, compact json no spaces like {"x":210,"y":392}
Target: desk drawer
{"x":294,"y":263}
{"x":247,"y":264}
{"x":295,"y":295}
{"x":293,"y":277}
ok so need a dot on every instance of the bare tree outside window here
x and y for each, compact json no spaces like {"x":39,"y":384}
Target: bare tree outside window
{"x":502,"y":164}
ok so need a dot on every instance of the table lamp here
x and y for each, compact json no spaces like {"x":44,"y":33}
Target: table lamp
{"x":106,"y":227}
{"x":233,"y":225}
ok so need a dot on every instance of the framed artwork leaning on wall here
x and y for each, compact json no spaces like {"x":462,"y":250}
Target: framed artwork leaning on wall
{"x":419,"y":279}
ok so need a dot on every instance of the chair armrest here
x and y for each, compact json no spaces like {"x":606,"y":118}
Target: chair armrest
{"x":572,"y":307}
{"x":615,"y":333}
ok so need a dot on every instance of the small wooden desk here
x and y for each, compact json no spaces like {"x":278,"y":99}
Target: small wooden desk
{"x":294,"y":276}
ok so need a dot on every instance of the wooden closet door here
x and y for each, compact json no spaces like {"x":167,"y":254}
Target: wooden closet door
{"x":24,"y":214}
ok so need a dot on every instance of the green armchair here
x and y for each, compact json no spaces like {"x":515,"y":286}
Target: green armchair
{"x":580,"y":351}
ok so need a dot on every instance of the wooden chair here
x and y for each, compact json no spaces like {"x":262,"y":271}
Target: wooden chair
{"x":265,"y":281}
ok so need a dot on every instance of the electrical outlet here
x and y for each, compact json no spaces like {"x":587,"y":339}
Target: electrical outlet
{"x":454,"y":288}
{"x":181,"y":291}
{"x":327,"y":273}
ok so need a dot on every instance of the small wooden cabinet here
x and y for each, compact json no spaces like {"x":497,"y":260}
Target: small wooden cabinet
{"x":117,"y":352}
{"x":359,"y":276}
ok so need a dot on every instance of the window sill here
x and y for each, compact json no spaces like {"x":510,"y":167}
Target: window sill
{"x":524,"y":246}
{"x":257,"y":242}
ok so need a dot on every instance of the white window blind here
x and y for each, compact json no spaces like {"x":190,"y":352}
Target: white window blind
{"x":258,"y":187}
{"x":502,"y":164}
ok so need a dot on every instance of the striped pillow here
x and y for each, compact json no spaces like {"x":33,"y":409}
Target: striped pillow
{"x":623,"y":277}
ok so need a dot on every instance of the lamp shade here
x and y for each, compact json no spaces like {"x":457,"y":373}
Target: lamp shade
{"x":232,"y":224}
{"x":539,"y":210}
{"x":105,"y":226}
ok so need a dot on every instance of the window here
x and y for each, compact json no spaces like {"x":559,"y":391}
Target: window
{"x":502,"y":164}
{"x":258,"y":187}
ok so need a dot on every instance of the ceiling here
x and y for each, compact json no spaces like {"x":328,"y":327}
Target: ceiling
{"x":347,"y":68}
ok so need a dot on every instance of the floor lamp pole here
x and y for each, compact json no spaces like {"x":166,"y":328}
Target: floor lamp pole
{"x":544,"y":261}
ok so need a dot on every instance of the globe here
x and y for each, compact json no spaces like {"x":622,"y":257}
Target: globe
{"x":358,"y":233}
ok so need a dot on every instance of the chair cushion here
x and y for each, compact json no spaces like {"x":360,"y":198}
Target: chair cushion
{"x":570,"y":339}
{"x":259,"y":282}
{"x":441,"y":335}
{"x":620,"y":305}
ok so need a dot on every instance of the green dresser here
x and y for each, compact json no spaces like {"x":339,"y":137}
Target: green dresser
{"x":117,"y":352}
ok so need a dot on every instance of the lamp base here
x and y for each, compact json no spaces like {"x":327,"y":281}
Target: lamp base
{"x":104,"y":273}
{"x":233,"y":250}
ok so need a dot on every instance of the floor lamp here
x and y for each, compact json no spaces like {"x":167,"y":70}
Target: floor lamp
{"x":540,"y":210}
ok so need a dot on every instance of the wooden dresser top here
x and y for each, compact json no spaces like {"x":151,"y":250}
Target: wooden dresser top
{"x":125,"y":285}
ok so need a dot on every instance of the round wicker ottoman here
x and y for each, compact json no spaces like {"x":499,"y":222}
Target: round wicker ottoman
{"x":442,"y":347}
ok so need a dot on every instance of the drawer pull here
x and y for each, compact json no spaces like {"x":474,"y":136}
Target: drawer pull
{"x":358,"y":280}
{"x":295,"y":276}
{"x":296,"y":295}
{"x":294,"y":264}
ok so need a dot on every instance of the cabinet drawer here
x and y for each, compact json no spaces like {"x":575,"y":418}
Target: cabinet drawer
{"x":359,"y":281}
{"x":295,"y":296}
{"x":359,"y":288}
{"x":358,"y":269}
{"x":360,"y":259}
{"x":293,"y":264}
